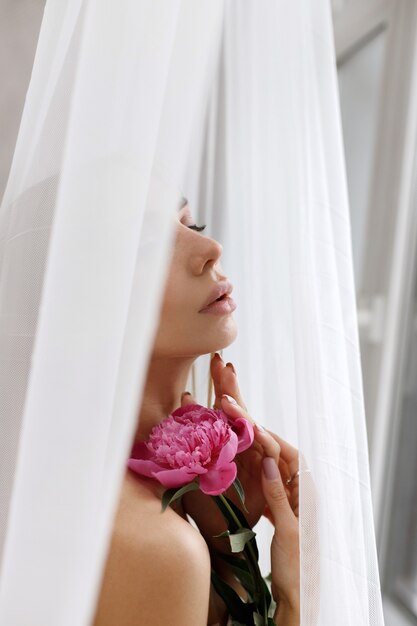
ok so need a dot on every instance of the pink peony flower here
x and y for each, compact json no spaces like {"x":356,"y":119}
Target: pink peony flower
{"x":192,"y":442}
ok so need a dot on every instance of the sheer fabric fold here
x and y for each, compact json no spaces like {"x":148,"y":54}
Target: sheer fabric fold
{"x":131,"y":105}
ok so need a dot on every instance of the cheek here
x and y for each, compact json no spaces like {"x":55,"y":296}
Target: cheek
{"x":179,"y":287}
{"x":177,"y":294}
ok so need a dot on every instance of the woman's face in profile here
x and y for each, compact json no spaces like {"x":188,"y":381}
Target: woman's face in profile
{"x":185,"y":329}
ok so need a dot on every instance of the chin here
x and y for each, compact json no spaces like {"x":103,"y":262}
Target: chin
{"x":186,"y":342}
{"x":220,"y":338}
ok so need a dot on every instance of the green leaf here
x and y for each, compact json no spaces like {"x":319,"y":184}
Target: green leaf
{"x":170,"y":495}
{"x":244,"y":523}
{"x":271,"y":612}
{"x":272,"y":609}
{"x":234,"y":561}
{"x":241,"y":571}
{"x":238,"y":610}
{"x":267,"y":594}
{"x":258,"y":620}
{"x":226,"y":533}
{"x":227,"y":515}
{"x":232,"y":524}
{"x":240,"y":492}
{"x":240,"y":538}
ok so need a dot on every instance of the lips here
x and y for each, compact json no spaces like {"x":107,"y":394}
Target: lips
{"x":221,"y":289}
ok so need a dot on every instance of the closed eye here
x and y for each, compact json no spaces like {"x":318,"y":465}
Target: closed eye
{"x":186,"y":214}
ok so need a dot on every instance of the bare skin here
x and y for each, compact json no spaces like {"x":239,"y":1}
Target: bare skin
{"x":158,"y":566}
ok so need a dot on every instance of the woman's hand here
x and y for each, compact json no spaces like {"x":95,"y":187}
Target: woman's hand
{"x":283,"y":503}
{"x":249,"y":464}
{"x":283,"y":506}
{"x":276,"y":500}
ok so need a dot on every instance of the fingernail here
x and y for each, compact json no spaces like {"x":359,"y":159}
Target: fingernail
{"x":270,"y":468}
{"x":185,"y":393}
{"x":217,"y":355}
{"x":232,"y":400}
{"x":260,"y":427}
{"x":231,"y":367}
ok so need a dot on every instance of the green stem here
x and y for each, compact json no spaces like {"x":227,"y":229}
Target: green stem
{"x":251,"y":559}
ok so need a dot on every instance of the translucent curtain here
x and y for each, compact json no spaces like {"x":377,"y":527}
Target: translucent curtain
{"x":277,"y":201}
{"x":131,"y":104}
{"x":85,"y":240}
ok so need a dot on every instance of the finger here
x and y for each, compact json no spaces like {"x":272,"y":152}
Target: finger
{"x":230,"y":384}
{"x":274,"y":491}
{"x":285,"y":472}
{"x":296,"y":461}
{"x":270,"y":446}
{"x":295,"y":493}
{"x":216,"y":367}
{"x":288,"y":453}
{"x":187,"y":398}
{"x":233,"y":409}
{"x":267,"y":513}
{"x":294,"y":500}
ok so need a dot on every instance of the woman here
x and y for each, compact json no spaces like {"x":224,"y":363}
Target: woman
{"x":158,"y":565}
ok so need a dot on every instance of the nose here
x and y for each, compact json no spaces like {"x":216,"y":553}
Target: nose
{"x":206,"y":255}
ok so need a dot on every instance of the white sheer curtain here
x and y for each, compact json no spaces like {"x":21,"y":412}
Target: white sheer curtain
{"x":279,"y":204}
{"x":130,"y":105}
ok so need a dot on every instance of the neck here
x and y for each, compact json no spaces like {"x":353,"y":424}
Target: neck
{"x":165,"y":382}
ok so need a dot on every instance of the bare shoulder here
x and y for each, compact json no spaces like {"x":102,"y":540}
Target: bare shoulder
{"x":158,"y":565}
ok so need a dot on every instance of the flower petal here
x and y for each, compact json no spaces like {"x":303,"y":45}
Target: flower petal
{"x":174,"y":477}
{"x":197,"y":469}
{"x":244,"y":431}
{"x":144,"y":467}
{"x":197,"y":409}
{"x":187,"y":408}
{"x":216,"y":481}
{"x":228,"y":452}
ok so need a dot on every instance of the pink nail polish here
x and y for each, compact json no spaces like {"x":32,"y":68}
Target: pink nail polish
{"x":270,"y":468}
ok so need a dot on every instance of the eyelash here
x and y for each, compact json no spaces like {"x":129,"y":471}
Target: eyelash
{"x":197,"y":228}
{"x":187,"y":214}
